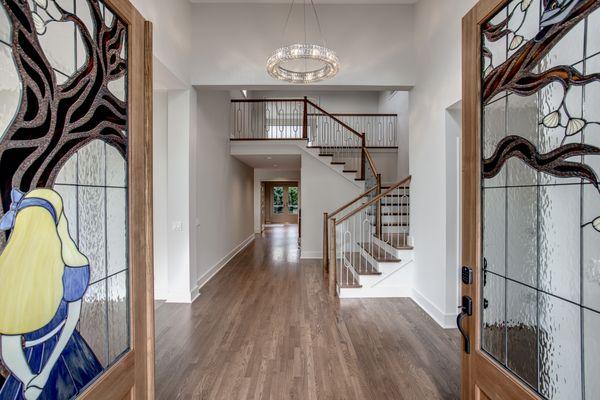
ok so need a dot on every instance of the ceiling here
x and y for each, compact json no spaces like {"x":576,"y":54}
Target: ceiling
{"x":276,"y":161}
{"x":317,"y":2}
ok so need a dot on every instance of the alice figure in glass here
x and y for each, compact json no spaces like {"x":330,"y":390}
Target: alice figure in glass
{"x":43,"y":277}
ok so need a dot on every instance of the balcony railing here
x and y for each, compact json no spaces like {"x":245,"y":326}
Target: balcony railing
{"x":273,"y":119}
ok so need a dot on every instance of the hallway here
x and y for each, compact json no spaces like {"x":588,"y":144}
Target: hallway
{"x":264,"y":327}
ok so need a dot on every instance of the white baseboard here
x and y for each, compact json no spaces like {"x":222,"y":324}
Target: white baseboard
{"x":377,"y":292}
{"x":217,"y":267}
{"x":183,"y":297}
{"x":446,"y":321}
{"x":311,"y":254}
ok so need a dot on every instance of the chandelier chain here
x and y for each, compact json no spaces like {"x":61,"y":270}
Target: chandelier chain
{"x":287,"y":19}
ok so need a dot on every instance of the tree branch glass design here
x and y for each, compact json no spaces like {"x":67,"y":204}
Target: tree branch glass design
{"x":540,"y":132}
{"x":64,"y":298}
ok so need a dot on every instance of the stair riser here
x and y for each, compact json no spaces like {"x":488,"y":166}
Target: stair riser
{"x":393,"y":218}
{"x":403,"y":209}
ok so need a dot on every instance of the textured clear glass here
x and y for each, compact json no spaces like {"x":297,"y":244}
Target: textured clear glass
{"x":568,"y":50}
{"x":525,"y":21}
{"x":493,"y":331}
{"x":5,"y":28}
{"x":116,"y":229}
{"x":91,"y":164}
{"x":68,"y":173}
{"x":498,"y":48}
{"x":69,"y":198}
{"x":559,"y":348}
{"x":494,"y":229}
{"x":92,"y":220}
{"x":521,"y":335}
{"x":593,"y":34}
{"x":591,"y":249}
{"x":116,"y":168}
{"x":522,"y":120}
{"x":10,"y":92}
{"x":117,"y":87}
{"x":550,"y":138}
{"x":591,"y":324}
{"x":118,"y":317}
{"x":559,"y":259}
{"x":93,"y":320}
{"x":522,"y":235}
{"x":591,"y":111}
{"x":59,"y":45}
{"x":494,"y":130}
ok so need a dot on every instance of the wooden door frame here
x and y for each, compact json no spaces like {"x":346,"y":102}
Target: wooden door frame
{"x":477,"y":368}
{"x":132,"y":377}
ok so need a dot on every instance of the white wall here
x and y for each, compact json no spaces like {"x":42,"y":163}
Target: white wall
{"x":233,"y":41}
{"x":397,"y":102}
{"x":438,"y":86}
{"x":180,"y":194}
{"x":172,"y":26}
{"x":323,"y":190}
{"x":271,"y":175}
{"x":159,"y":168}
{"x":225,"y":188}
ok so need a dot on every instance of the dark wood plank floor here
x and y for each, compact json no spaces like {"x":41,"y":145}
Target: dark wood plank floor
{"x":264,"y":328}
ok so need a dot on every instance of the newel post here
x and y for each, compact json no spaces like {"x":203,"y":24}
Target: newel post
{"x":325,"y":243}
{"x":305,"y":119}
{"x":332,"y":263}
{"x":378,"y":209}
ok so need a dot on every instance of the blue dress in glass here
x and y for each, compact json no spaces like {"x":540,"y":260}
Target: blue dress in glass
{"x":77,"y":364}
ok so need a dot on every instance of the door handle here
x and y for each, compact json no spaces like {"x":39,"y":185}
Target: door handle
{"x":466,"y":311}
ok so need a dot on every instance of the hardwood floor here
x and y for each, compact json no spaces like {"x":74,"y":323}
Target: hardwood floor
{"x":265,"y":328}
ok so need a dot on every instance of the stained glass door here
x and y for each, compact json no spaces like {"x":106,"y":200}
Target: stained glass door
{"x":532,"y":199}
{"x":74,"y":257}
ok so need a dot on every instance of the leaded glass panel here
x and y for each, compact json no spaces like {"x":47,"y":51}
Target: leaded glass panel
{"x":541,"y":194}
{"x":64,"y":256}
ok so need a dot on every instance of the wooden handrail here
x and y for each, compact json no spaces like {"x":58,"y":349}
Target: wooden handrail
{"x":375,"y":199}
{"x":355,"y":115}
{"x":370,"y":160}
{"x":360,"y":135}
{"x":263,"y":100}
{"x":348,"y":204}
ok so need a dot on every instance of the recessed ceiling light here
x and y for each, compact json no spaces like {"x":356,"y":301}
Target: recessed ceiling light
{"x":275,"y":165}
{"x":269,"y":158}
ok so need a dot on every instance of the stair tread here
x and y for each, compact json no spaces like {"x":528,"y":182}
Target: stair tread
{"x":337,"y":163}
{"x":378,"y":253}
{"x":390,"y":213}
{"x":325,"y":155}
{"x":361,"y":264}
{"x":350,"y":170}
{"x":396,"y":240}
{"x":392,"y":223}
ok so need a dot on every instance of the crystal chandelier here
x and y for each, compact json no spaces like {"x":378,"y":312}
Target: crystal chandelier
{"x":303,"y":62}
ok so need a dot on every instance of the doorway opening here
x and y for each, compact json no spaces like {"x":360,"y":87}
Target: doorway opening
{"x":281,"y":203}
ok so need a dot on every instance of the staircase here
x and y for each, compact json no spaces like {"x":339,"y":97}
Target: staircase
{"x":367,"y":245}
{"x":367,"y":248}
